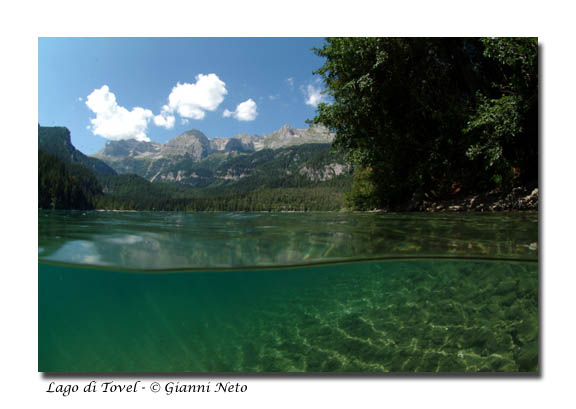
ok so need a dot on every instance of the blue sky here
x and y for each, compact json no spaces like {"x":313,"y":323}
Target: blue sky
{"x":155,"y":88}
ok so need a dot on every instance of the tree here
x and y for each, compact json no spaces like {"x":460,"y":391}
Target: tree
{"x":408,"y":112}
{"x":504,"y":127}
{"x":59,"y":187}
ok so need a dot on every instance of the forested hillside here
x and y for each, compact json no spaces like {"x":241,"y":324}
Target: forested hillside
{"x":292,"y":166}
{"x":56,"y":141}
{"x":297,"y":178}
{"x":65,"y":186}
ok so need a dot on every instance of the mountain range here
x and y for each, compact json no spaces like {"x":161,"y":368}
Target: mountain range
{"x":193,"y":159}
{"x":290,"y":169}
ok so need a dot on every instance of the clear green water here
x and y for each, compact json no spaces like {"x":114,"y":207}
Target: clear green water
{"x":169,"y":292}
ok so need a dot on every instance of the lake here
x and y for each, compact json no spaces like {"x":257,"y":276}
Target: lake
{"x":287,"y":292}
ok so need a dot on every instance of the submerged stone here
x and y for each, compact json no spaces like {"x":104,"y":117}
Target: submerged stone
{"x":315,"y":360}
{"x":429,"y":362}
{"x":528,"y":330}
{"x":394,"y":315}
{"x":506,"y":286}
{"x":332,"y":365}
{"x":451,"y":363}
{"x":528,"y":358}
{"x":356,"y":326}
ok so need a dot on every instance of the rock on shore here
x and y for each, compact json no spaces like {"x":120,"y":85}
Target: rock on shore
{"x":520,"y":198}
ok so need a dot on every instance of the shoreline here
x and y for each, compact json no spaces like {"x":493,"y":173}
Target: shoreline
{"x":520,"y":199}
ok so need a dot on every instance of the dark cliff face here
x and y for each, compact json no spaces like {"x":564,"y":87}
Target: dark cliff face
{"x":55,"y":140}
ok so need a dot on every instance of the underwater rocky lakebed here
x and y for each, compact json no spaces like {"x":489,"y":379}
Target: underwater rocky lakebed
{"x":302,"y":292}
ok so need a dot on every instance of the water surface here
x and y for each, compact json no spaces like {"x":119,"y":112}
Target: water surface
{"x":301,"y":292}
{"x":165,"y":240}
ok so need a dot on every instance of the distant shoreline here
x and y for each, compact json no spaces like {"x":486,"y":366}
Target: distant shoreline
{"x":373,"y":211}
{"x":520,"y":199}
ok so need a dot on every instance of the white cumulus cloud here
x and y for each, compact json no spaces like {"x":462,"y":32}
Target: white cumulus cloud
{"x":165,"y":118}
{"x":314,"y":95}
{"x":193,"y":100}
{"x":115,"y":122}
{"x":245,"y":111}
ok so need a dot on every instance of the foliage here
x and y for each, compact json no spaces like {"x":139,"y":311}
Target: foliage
{"x":363,"y":193}
{"x":61,"y":186}
{"x":426,"y":114}
{"x":504,"y":126}
{"x":73,"y":186}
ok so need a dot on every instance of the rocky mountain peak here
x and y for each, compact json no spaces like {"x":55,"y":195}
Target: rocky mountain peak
{"x":150,"y":159}
{"x":191,"y":135}
{"x":191,"y":143}
{"x":128,"y":147}
{"x":286,"y":130}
